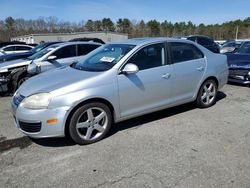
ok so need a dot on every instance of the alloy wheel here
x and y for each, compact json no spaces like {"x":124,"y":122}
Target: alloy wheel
{"x":92,"y":123}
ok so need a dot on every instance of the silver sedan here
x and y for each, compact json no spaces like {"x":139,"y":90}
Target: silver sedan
{"x":116,"y":82}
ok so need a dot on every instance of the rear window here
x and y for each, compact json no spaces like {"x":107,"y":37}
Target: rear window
{"x":184,"y":52}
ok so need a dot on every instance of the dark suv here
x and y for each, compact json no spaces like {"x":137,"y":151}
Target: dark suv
{"x":204,"y":41}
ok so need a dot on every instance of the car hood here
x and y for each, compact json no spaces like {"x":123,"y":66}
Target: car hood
{"x":6,"y":57}
{"x":237,"y":60}
{"x":64,"y":78}
{"x":14,"y":64}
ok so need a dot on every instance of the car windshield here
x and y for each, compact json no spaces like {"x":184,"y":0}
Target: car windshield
{"x":37,"y":48}
{"x":104,"y":57}
{"x":42,"y":52}
{"x":229,"y":44}
{"x":244,"y":48}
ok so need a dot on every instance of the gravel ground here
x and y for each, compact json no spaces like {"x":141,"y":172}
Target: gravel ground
{"x":178,"y":147}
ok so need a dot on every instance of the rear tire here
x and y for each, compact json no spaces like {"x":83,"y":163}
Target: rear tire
{"x":207,"y":94}
{"x":90,"y":123}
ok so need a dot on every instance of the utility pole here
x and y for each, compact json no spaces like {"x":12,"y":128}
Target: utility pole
{"x":237,"y":30}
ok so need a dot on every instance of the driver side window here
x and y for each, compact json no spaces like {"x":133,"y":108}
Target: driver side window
{"x":149,"y":57}
{"x":65,"y":52}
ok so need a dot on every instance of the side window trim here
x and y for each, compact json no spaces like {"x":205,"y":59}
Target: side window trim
{"x":171,"y":52}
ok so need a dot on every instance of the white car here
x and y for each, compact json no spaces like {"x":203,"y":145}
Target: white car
{"x":16,"y":48}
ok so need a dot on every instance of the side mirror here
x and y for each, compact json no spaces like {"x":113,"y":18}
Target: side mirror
{"x":51,"y":58}
{"x":130,"y":68}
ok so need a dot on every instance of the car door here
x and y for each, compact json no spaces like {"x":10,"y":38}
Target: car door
{"x":65,"y":55}
{"x":150,"y":87}
{"x":189,"y":66}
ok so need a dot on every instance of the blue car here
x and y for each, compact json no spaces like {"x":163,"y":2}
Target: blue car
{"x":239,"y":64}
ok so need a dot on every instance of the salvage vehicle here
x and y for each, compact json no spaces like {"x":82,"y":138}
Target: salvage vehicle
{"x":14,"y":73}
{"x":16,"y":48}
{"x":116,"y":82}
{"x":205,"y":41}
{"x":10,"y":57}
{"x":239,"y":64}
{"x":59,"y":55}
{"x":230,"y":46}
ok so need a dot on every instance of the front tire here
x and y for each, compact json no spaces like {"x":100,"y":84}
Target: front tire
{"x":207,"y":94}
{"x":90,"y":123}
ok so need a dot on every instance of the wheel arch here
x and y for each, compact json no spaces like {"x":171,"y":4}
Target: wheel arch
{"x":97,"y":99}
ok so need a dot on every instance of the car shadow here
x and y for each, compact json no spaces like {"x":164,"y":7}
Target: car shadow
{"x":128,"y":124}
{"x":138,"y":121}
{"x":238,"y":84}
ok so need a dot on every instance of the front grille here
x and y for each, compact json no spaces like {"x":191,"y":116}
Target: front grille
{"x":30,"y":127}
{"x":18,"y":99}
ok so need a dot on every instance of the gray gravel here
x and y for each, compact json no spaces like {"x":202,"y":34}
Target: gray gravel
{"x":179,"y":147}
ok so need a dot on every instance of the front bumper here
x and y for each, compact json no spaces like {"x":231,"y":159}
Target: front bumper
{"x":34,"y":122}
{"x":241,"y":76}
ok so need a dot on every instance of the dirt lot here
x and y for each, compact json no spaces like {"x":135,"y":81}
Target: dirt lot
{"x":179,"y":147}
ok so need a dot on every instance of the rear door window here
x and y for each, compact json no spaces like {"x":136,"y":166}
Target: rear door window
{"x":22,"y":48}
{"x":65,"y":52}
{"x":184,"y":52}
{"x":204,"y":41}
{"x":10,"y":48}
{"x":83,"y":49}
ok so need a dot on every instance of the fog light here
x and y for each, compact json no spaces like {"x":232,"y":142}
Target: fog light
{"x":52,"y":121}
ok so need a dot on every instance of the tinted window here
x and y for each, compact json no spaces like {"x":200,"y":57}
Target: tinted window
{"x":245,"y":48}
{"x":184,"y":52}
{"x":20,"y":48}
{"x":204,"y":41}
{"x":192,"y":39}
{"x":83,"y":49}
{"x":149,"y":57}
{"x":65,"y":52}
{"x":11,"y":48}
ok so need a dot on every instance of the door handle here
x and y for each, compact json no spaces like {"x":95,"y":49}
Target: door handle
{"x":200,"y":69}
{"x":166,"y":76}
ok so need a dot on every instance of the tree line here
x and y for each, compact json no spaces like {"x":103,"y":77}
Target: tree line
{"x":11,"y":27}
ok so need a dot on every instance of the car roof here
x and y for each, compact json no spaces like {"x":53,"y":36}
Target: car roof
{"x":70,"y":43}
{"x":142,"y":41}
{"x":17,"y":45}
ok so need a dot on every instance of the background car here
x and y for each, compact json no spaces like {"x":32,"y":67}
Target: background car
{"x":58,"y":55}
{"x":13,"y":56}
{"x":118,"y":81}
{"x":230,"y":46}
{"x":239,"y":64}
{"x":14,"y":73}
{"x":16,"y":48}
{"x":205,"y":41}
{"x":2,"y":44}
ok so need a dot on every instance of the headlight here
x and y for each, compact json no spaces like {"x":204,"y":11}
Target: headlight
{"x":37,"y":101}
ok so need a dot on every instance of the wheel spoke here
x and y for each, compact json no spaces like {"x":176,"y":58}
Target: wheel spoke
{"x":207,"y":99}
{"x":210,"y":87}
{"x":99,"y":128}
{"x":205,"y":87}
{"x":204,"y":96}
{"x":90,"y":115}
{"x":100,"y":117}
{"x":89,"y":133}
{"x":82,"y":125}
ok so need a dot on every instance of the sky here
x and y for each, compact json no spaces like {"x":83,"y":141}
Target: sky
{"x":197,"y":11}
